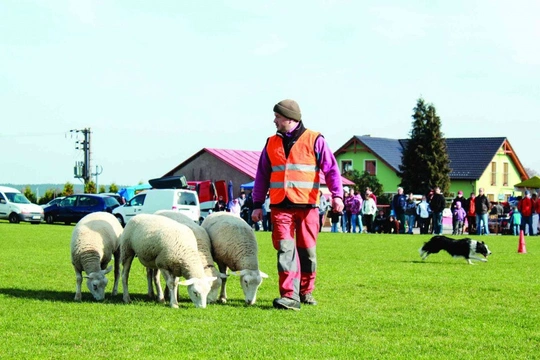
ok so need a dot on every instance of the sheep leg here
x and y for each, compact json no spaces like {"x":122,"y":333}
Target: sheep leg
{"x":79,"y":278}
{"x":223,"y":293}
{"x":116,"y":271}
{"x":172,"y":284}
{"x":126,"y":266}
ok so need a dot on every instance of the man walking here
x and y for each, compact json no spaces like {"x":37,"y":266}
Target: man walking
{"x":290,"y":165}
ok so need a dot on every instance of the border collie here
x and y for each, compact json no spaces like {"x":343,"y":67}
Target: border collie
{"x":466,"y":248}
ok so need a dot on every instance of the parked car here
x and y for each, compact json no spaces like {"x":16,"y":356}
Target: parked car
{"x":74,"y":207}
{"x":52,"y":202}
{"x":150,"y":201}
{"x":15,"y":207}
{"x":118,"y":197}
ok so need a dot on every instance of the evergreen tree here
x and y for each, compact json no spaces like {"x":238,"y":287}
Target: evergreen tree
{"x":29,"y":194}
{"x":68,"y":189}
{"x":102,"y":189}
{"x":113,"y":188}
{"x":90,"y":187}
{"x":424,"y":162}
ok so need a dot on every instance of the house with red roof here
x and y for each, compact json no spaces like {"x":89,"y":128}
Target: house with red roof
{"x":238,"y":166}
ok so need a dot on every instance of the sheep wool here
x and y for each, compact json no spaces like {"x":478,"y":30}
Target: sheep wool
{"x":94,"y":241}
{"x":164,"y":244}
{"x":204,"y":247}
{"x":234,"y":246}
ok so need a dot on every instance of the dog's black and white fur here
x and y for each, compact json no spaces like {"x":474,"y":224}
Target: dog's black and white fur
{"x":466,"y":248}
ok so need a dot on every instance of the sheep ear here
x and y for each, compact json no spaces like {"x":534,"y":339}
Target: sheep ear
{"x":86,"y":276}
{"x":235,"y":273}
{"x":223,"y":276}
{"x":107,"y":270}
{"x":186,"y":282}
{"x":263,"y":275}
{"x":210,"y":279}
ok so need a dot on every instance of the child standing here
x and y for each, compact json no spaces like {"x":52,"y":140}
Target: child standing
{"x":516,"y":221}
{"x":334,"y":219}
{"x":459,"y":218}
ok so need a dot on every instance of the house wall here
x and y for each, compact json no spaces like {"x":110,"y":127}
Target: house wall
{"x":386,"y":175}
{"x":389,"y":179}
{"x":208,"y":167}
{"x":499,"y":189}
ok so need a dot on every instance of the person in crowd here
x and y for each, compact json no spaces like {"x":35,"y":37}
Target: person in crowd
{"x":535,"y":215}
{"x":352,"y":205}
{"x":323,"y":208}
{"x":481,"y":205}
{"x":290,"y":167}
{"x":398,"y":206}
{"x":526,"y":208}
{"x":242,"y":198}
{"x":437,"y":205}
{"x":359,"y":221}
{"x":267,"y":214}
{"x":369,"y":209}
{"x":370,"y":194}
{"x":392,"y":225}
{"x":221,"y":205}
{"x":422,"y":211}
{"x":471,"y":214}
{"x":458,"y":217}
{"x":410,"y":213}
{"x":463,"y":202}
{"x":234,"y":208}
{"x":334,"y":220}
{"x":515,"y":221}
{"x":379,"y":223}
{"x":344,"y":218}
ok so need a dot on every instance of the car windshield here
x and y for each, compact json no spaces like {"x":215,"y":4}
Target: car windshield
{"x":17,"y":198}
{"x":111,"y":202}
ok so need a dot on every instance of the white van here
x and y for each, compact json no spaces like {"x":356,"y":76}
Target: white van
{"x":15,"y":207}
{"x":150,"y":201}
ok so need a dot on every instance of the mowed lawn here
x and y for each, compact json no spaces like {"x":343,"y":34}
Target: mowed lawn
{"x":377,"y":300}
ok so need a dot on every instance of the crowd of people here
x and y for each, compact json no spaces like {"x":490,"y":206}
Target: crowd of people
{"x":406,"y":212}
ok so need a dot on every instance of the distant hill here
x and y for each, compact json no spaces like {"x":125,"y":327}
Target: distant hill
{"x":40,"y":189}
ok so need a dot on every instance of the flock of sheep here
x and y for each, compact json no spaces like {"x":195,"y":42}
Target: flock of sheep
{"x":170,"y":243}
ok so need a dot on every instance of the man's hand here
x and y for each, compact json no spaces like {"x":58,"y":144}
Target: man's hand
{"x":256,"y":215}
{"x":337,"y":205}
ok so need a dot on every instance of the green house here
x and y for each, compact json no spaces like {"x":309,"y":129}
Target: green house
{"x":490,"y":163}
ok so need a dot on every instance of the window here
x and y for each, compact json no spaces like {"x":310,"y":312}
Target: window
{"x":493,"y":173}
{"x":371,"y":167}
{"x":346,"y":165}
{"x":505,"y":174}
{"x":187,"y":199}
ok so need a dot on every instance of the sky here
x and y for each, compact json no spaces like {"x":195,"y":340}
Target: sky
{"x":157,"y":81}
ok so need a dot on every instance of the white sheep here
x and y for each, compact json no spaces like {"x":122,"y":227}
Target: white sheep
{"x":234,"y":246}
{"x":95,"y":239}
{"x":164,"y":244}
{"x":205,"y":252}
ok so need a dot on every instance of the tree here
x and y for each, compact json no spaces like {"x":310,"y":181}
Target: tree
{"x":29,"y":194}
{"x":531,"y":172}
{"x":424,"y":162}
{"x":364,"y":180}
{"x":113,"y":188}
{"x":90,"y":187}
{"x":68,"y":189}
{"x":102,"y":189}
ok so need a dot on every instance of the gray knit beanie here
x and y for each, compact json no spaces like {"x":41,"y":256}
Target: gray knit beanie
{"x":288,"y":108}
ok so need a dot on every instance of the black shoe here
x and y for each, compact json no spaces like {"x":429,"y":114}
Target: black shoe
{"x":308,"y":299}
{"x":286,"y":303}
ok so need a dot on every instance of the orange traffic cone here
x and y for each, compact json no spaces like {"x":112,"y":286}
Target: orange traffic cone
{"x":521,"y":246}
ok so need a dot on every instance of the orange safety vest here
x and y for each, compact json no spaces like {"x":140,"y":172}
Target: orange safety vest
{"x":297,"y":176}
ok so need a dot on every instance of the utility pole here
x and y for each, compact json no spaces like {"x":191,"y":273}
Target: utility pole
{"x":99,"y":170}
{"x":82,"y":168}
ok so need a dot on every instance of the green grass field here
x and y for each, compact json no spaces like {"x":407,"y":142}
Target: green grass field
{"x":377,"y":300}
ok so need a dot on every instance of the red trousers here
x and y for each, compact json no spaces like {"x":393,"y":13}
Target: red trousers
{"x":297,"y":258}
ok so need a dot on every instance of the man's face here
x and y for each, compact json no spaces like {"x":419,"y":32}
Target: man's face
{"x":282,"y":123}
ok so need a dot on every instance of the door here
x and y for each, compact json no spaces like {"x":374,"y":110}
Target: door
{"x":133,"y":207}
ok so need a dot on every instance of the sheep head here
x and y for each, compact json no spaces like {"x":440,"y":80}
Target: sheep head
{"x":97,"y":282}
{"x":250,"y":280}
{"x":198,"y":290}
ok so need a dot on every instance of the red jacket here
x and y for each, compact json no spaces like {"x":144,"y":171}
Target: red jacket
{"x":526,"y":206}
